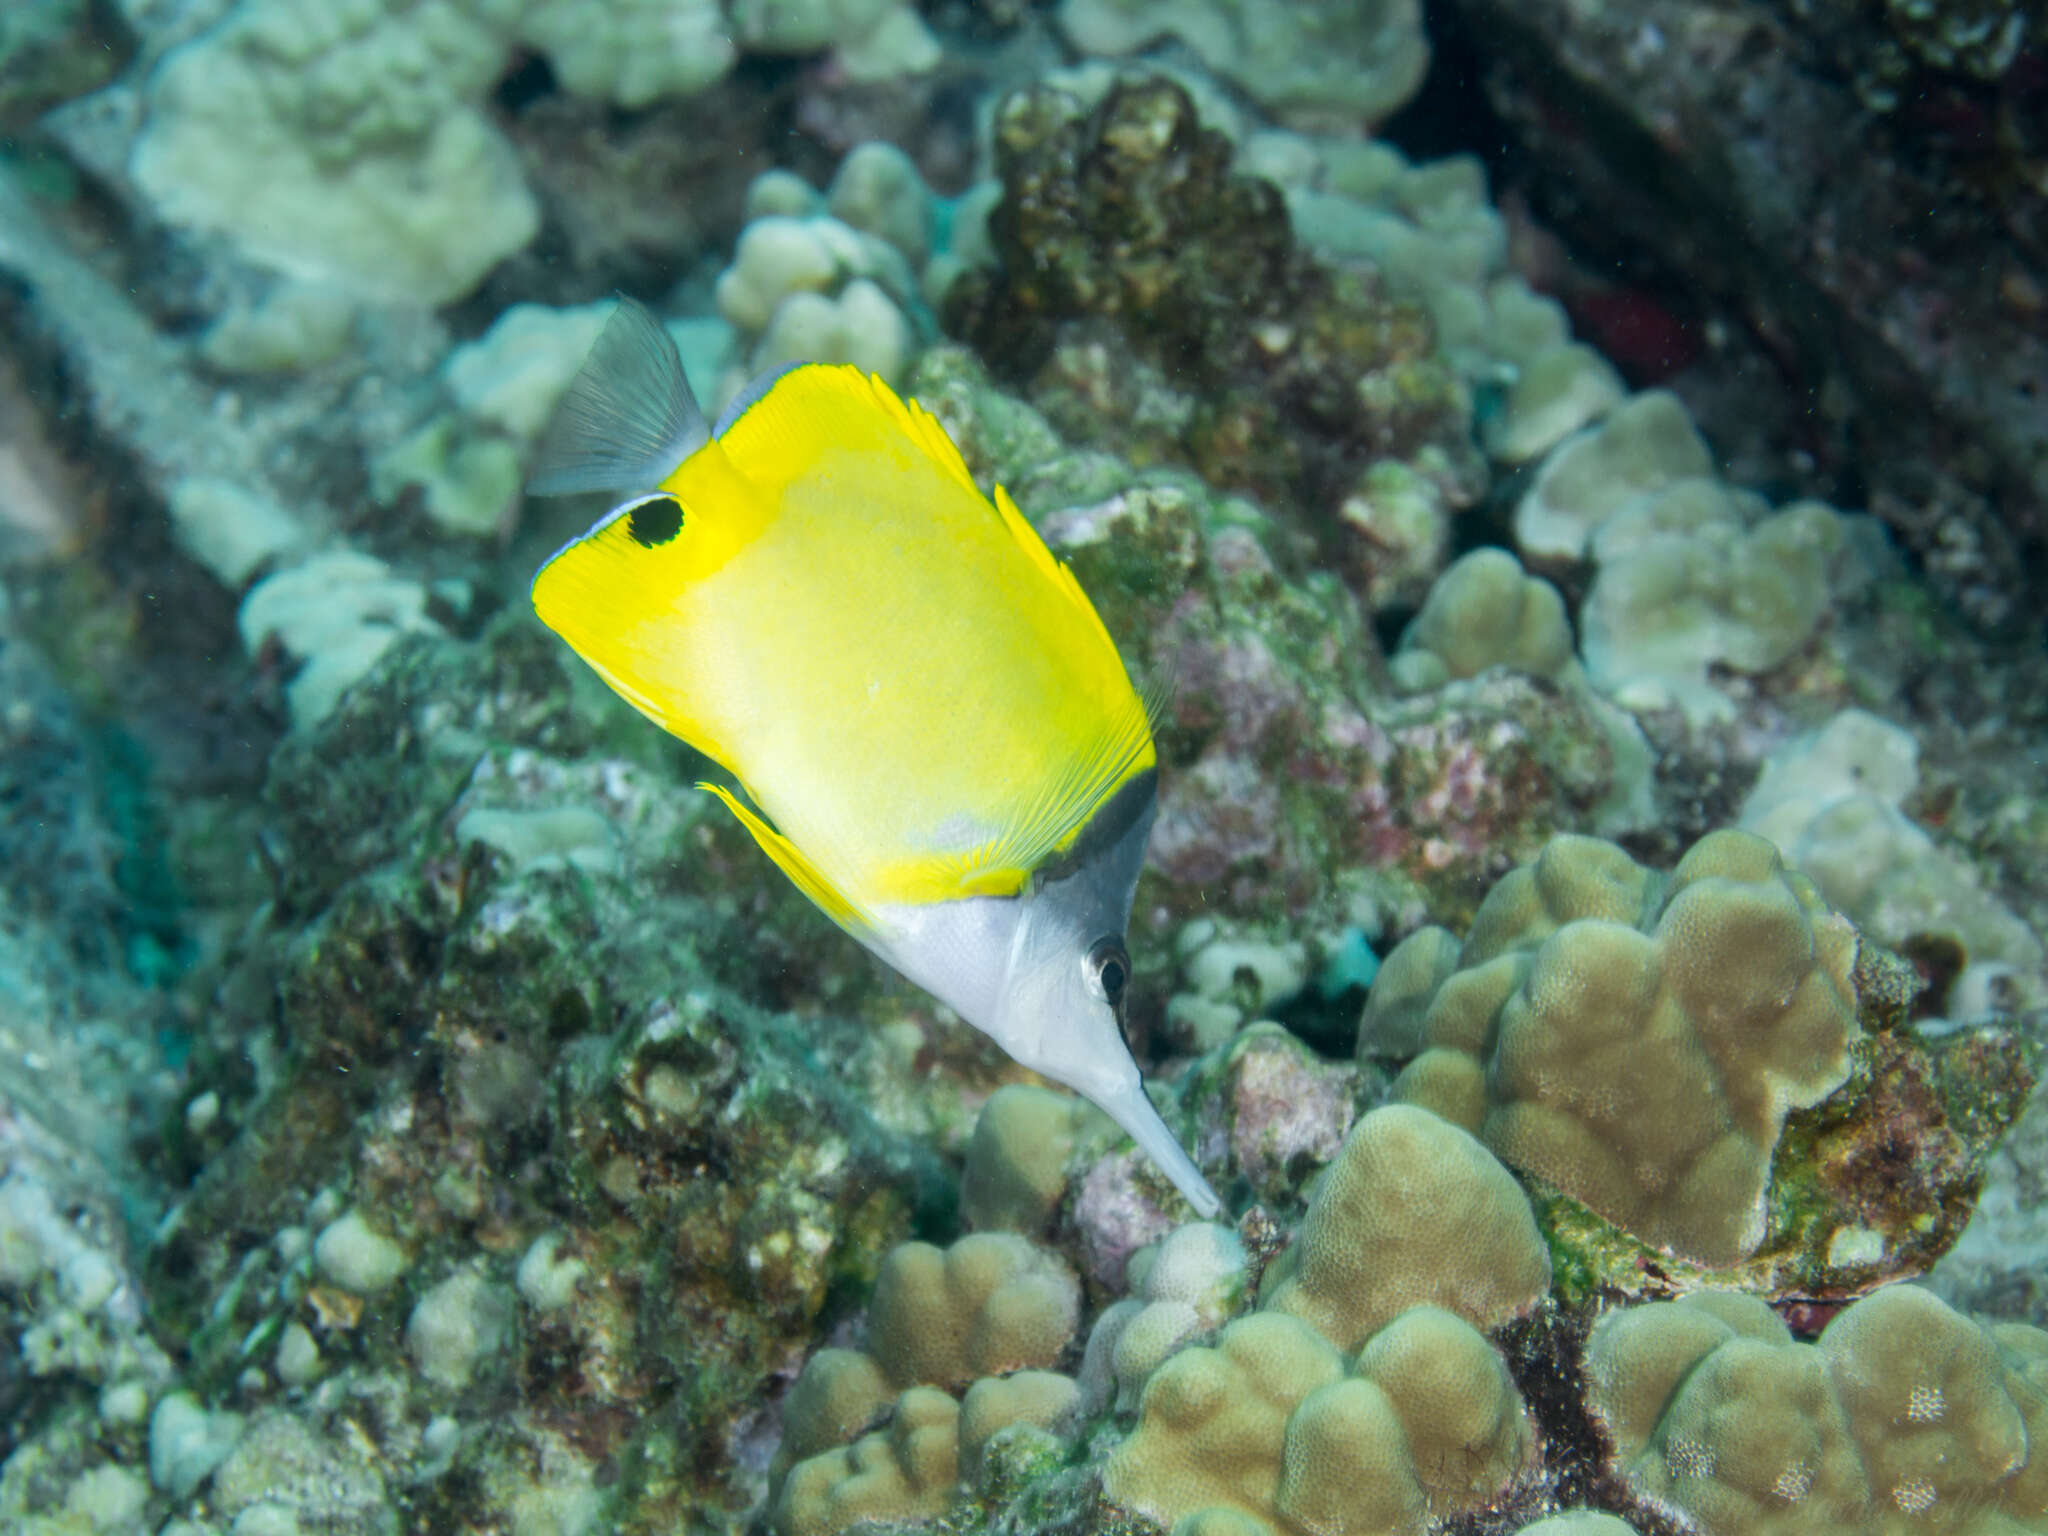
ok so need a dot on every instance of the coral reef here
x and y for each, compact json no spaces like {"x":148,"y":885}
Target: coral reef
{"x":1698,"y":1011}
{"x":419,"y":1111}
{"x":1694,"y":1017}
{"x":1411,"y":1212}
{"x":1831,"y":798}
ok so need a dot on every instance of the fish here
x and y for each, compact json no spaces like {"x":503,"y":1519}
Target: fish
{"x":928,"y":727}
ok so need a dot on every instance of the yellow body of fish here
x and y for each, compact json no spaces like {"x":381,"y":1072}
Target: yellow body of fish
{"x":940,"y":743}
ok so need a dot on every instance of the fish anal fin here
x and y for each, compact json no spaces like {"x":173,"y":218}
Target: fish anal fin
{"x":790,"y":859}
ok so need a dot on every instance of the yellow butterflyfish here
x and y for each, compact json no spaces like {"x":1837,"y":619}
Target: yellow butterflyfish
{"x":935,"y":737}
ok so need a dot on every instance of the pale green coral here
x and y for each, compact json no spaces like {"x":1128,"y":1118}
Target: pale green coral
{"x":632,"y":52}
{"x":811,"y":288}
{"x":1646,"y":444}
{"x":872,"y":39}
{"x":341,"y":144}
{"x":1555,"y":393}
{"x":1832,"y":798}
{"x":337,"y":612}
{"x":1359,"y":60}
{"x":1485,"y":611}
{"x":348,"y":144}
{"x":1691,"y":578}
{"x":878,"y":190}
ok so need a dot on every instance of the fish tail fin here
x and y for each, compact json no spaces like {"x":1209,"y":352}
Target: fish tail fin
{"x":628,"y":418}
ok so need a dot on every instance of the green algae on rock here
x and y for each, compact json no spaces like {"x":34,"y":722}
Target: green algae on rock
{"x":1152,"y":296}
{"x":485,"y":1041}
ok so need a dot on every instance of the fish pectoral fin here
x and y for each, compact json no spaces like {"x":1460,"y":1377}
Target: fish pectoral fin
{"x":791,"y":860}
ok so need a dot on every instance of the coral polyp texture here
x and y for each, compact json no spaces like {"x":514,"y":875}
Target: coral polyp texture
{"x":1269,"y":1430}
{"x":1902,"y":1416}
{"x":1413,"y":1210}
{"x":908,"y":1471}
{"x":1692,"y":1023}
{"x":1636,"y":1042}
{"x":991,"y":1303}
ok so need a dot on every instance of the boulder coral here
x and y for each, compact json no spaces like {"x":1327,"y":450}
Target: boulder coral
{"x":1267,"y":1431}
{"x":1903,"y":1416}
{"x":1694,"y":1013}
{"x":908,"y":1471}
{"x":986,"y":1318}
{"x":1485,"y":611}
{"x":990,"y":1303}
{"x":1362,"y":59}
{"x":1413,"y":1211}
{"x":1016,"y":1172}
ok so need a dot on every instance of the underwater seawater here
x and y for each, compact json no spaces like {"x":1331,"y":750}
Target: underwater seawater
{"x":1091,"y":767}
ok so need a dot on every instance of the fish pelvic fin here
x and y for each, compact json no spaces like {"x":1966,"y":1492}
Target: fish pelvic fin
{"x":628,"y":418}
{"x":792,"y":861}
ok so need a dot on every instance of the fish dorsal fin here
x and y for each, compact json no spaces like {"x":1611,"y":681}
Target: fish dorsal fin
{"x":774,"y":428}
{"x":751,"y":395}
{"x":628,"y":418}
{"x":1054,"y":568}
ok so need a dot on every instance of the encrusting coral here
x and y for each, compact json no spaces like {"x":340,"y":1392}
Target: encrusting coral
{"x":1485,"y":611}
{"x":1147,"y":289}
{"x":1832,"y":799}
{"x":1341,"y":63}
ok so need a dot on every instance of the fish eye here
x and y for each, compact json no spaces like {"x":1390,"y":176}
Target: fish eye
{"x":1109,"y":969}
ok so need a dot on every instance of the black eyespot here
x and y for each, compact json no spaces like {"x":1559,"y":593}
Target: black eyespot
{"x":655,"y":521}
{"x":1110,"y":969}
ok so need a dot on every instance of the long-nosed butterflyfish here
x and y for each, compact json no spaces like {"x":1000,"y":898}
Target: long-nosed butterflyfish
{"x":932,"y":732}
